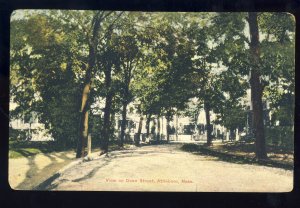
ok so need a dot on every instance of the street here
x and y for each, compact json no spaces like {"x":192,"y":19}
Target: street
{"x":167,"y":168}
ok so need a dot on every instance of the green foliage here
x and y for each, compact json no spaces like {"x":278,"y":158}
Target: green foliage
{"x":164,"y":83}
{"x":232,"y":117}
{"x":282,"y":136}
{"x":95,"y":125}
{"x":159,"y":60}
{"x":277,"y":60}
{"x":17,"y":135}
{"x":30,"y":148}
{"x":45,"y":66}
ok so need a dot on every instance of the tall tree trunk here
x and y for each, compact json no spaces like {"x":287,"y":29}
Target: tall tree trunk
{"x":168,"y":118}
{"x":148,"y":125}
{"x":127,"y":78}
{"x":123,"y":124}
{"x":168,"y":129}
{"x":176,"y":127}
{"x":196,"y":123}
{"x":139,"y":130}
{"x":162,"y":127}
{"x":83,"y":134}
{"x":158,"y":128}
{"x":208,"y":125}
{"x":106,"y":121}
{"x":112,"y":122}
{"x":83,"y":121}
{"x":256,"y":89}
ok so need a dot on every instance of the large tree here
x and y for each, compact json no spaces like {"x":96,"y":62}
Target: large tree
{"x":129,"y":55}
{"x":84,"y":109}
{"x":256,"y":88}
{"x":245,"y":54}
{"x":100,"y":23}
{"x":45,"y":69}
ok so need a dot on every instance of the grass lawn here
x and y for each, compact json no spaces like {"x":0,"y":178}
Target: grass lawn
{"x":23,"y":151}
{"x":18,"y":149}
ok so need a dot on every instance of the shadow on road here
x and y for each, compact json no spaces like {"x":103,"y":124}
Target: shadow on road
{"x":106,"y":160}
{"x":34,"y":176}
{"x":91,"y":173}
{"x":227,"y":157}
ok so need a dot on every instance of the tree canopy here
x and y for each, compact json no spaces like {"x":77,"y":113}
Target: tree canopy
{"x":64,"y":63}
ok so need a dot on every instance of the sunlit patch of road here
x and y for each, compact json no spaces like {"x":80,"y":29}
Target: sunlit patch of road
{"x":167,"y":168}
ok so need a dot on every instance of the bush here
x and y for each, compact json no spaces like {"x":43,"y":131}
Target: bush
{"x":280,"y":136}
{"x":17,"y":134}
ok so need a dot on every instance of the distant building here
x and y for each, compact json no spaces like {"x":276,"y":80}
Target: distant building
{"x":29,"y":123}
{"x":180,"y":125}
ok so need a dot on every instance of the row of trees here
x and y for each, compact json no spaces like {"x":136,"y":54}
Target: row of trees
{"x":65,"y":61}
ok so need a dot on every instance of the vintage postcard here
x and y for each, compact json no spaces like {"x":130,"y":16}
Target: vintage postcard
{"x":151,"y":101}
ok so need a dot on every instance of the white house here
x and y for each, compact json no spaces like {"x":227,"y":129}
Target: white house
{"x":35,"y":131}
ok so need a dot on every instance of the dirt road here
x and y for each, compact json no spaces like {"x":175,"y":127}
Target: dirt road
{"x":167,"y":168}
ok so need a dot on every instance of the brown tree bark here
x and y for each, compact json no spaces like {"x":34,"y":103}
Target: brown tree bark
{"x":139,"y":130}
{"x":127,"y":79}
{"x":123,"y":124}
{"x":107,"y":111}
{"x":93,"y":43}
{"x":176,"y":127}
{"x":208,"y":125}
{"x":196,"y":123}
{"x":256,"y":88}
{"x":83,"y":121}
{"x":168,"y":129}
{"x":168,"y":118}
{"x":148,"y":125}
{"x":162,"y":127}
{"x":158,"y":128}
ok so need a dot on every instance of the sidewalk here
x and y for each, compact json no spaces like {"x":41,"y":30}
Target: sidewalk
{"x":34,"y":171}
{"x":26,"y":173}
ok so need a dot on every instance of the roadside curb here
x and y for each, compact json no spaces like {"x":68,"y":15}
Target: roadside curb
{"x":78,"y":161}
{"x":93,"y":156}
{"x":43,"y":185}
